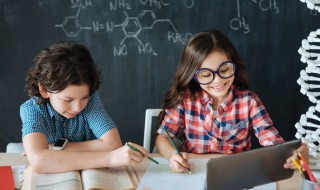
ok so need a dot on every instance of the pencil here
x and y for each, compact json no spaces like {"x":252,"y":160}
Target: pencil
{"x":298,"y":165}
{"x":174,"y":146}
{"x":135,"y":149}
{"x":296,"y":162}
{"x":304,"y":165}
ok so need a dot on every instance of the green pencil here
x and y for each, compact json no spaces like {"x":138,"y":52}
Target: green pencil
{"x":135,"y":149}
{"x":190,"y":172}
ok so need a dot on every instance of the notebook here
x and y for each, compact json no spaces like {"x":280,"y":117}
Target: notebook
{"x":251,"y":168}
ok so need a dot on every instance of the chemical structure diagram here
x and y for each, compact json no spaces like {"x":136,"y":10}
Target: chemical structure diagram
{"x":239,"y":22}
{"x":131,"y":26}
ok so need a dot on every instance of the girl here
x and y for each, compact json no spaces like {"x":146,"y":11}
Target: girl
{"x":64,"y":103}
{"x":209,"y":104}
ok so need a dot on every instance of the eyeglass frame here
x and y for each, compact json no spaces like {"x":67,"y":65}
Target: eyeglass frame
{"x":215,"y":72}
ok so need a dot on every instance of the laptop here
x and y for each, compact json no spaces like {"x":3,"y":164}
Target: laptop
{"x":251,"y":168}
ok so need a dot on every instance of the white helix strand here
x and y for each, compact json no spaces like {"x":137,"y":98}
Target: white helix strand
{"x":308,"y":127}
{"x":312,"y":4}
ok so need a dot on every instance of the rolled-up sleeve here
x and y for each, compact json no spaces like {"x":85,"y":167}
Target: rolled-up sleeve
{"x":262,"y":124}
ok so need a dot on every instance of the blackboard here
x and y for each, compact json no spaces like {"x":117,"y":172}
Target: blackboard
{"x":137,"y":45}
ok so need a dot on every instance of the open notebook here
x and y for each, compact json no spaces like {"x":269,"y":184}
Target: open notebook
{"x":89,"y":179}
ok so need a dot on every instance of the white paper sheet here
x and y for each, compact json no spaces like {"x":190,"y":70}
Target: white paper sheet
{"x":161,"y":177}
{"x":18,"y":172}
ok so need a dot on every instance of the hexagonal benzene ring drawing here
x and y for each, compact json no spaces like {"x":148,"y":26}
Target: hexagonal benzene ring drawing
{"x":312,"y":4}
{"x":308,"y":127}
{"x":71,"y":26}
{"x":147,"y":18}
{"x":131,"y":27}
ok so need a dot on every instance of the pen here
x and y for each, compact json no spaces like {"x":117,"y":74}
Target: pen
{"x":305,"y":166}
{"x":307,"y":169}
{"x":135,"y":149}
{"x":190,"y":172}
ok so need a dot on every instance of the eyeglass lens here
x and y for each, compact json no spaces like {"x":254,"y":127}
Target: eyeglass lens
{"x":225,"y":70}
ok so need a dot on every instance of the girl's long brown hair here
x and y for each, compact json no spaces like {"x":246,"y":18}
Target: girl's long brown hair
{"x":194,"y":53}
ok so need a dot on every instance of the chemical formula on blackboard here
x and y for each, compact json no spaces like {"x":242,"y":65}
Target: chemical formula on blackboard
{"x":131,"y":26}
{"x":239,"y":22}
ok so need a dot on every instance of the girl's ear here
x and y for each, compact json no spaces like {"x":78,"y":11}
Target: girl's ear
{"x":43,"y":91}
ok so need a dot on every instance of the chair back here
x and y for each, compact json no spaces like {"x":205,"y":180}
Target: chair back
{"x":15,"y":147}
{"x":150,"y":113}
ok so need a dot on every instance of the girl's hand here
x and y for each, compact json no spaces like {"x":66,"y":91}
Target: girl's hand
{"x":303,"y":149}
{"x":178,"y":163}
{"x":126,"y":156}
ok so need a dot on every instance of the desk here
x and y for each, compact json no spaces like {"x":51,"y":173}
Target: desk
{"x":293,"y":183}
{"x":13,"y":159}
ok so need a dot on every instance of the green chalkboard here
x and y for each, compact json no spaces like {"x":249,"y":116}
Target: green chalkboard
{"x":137,"y":45}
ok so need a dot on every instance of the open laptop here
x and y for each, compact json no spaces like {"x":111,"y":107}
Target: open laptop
{"x":251,"y":168}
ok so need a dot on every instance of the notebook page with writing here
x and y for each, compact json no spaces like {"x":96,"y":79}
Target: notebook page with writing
{"x":57,"y":181}
{"x":108,"y":178}
{"x":160,"y":176}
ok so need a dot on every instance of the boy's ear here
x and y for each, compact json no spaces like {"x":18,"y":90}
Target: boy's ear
{"x":43,"y":91}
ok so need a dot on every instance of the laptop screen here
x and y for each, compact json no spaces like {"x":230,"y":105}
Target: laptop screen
{"x":251,"y":168}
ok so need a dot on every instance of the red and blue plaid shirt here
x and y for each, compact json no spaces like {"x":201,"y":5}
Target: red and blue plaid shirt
{"x":229,"y":131}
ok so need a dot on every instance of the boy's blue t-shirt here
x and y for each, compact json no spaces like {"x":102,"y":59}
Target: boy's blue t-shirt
{"x":91,"y":123}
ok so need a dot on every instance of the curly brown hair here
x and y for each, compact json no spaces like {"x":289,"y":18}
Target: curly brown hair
{"x":62,"y":64}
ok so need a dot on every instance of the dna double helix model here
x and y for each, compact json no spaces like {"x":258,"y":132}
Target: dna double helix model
{"x":308,"y":127}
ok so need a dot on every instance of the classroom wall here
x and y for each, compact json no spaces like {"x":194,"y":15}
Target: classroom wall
{"x":137,"y":45}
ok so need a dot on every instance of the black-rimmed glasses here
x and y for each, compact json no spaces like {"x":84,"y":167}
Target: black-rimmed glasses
{"x":225,"y":70}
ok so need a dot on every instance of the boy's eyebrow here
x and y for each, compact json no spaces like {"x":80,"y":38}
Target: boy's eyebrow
{"x":68,"y":97}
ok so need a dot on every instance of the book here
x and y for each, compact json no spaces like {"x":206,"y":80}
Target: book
{"x":6,"y":178}
{"x":120,"y":178}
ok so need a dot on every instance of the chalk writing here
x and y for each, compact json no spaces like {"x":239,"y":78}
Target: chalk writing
{"x":131,"y":26}
{"x":239,"y":22}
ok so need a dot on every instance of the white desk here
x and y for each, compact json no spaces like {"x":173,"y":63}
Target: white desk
{"x":293,"y":183}
{"x":12,"y":159}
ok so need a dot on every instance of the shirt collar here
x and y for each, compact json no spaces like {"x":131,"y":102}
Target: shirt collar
{"x":206,"y":98}
{"x":53,"y":113}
